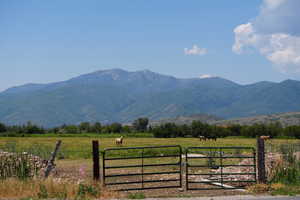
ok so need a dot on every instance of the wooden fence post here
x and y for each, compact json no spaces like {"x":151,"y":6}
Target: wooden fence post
{"x":50,"y":163}
{"x":96,"y":162}
{"x":261,"y":168}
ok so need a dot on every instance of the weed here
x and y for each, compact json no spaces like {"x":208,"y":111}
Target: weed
{"x":27,"y":198}
{"x":33,"y":189}
{"x":86,"y":190}
{"x":287,"y":171}
{"x":17,"y":165}
{"x":42,"y":194}
{"x":40,"y":150}
{"x":277,"y":186}
{"x":287,"y":175}
{"x":10,"y":146}
{"x":238,"y":153}
{"x":138,"y":195}
{"x":285,"y":190}
{"x":258,"y":188}
{"x":211,"y":162}
{"x":61,"y":195}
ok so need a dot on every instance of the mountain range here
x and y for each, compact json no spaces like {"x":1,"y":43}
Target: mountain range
{"x":285,"y":119}
{"x":117,"y":95}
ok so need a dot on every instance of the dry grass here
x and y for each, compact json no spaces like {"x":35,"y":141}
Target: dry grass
{"x":277,"y":186}
{"x":52,"y":188}
{"x":259,"y":188}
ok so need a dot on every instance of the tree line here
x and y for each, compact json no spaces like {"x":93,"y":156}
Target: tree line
{"x":166,"y":130}
{"x":139,"y":125}
{"x":197,"y":128}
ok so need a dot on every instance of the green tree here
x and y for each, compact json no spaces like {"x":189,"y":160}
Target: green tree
{"x":84,"y":127}
{"x":198,"y":128}
{"x":71,"y":129}
{"x":116,"y":127}
{"x":140,"y":124}
{"x":2,"y":128}
{"x":292,"y":131}
{"x":31,"y":128}
{"x":166,"y":130}
{"x":235,"y":130}
{"x":126,"y":129}
{"x":97,"y":127}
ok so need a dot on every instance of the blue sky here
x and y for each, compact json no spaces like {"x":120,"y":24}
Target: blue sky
{"x":47,"y":41}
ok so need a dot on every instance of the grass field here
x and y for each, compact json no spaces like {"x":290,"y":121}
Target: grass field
{"x":85,"y":143}
{"x":81,"y":147}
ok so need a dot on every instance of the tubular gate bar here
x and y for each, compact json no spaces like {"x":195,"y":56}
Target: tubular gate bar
{"x":214,"y":175}
{"x":116,"y":177}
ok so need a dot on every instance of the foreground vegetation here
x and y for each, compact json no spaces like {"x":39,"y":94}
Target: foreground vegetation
{"x":74,"y":163}
{"x":52,"y":189}
{"x":74,"y":158}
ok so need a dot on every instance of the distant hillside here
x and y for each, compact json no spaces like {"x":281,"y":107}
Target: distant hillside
{"x":180,"y":120}
{"x":117,"y":95}
{"x":286,"y":119}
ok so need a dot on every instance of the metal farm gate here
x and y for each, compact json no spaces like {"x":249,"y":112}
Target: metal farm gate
{"x":140,"y":168}
{"x":211,"y":168}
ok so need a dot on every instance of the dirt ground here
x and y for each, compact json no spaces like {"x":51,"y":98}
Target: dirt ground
{"x":81,"y":170}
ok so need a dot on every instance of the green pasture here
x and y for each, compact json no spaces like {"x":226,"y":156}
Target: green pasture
{"x":81,"y":147}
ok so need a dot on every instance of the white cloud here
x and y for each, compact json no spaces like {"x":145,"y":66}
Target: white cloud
{"x":206,"y":76}
{"x":244,"y":36}
{"x":195,"y":50}
{"x":278,"y":42}
{"x":272,"y":4}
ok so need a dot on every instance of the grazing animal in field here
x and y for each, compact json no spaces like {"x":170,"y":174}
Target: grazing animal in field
{"x":212,"y":138}
{"x":202,"y":138}
{"x":265,"y":137}
{"x":119,"y":140}
{"x":207,"y":138}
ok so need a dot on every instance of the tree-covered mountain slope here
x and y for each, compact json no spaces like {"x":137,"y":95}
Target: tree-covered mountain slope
{"x":118,"y":95}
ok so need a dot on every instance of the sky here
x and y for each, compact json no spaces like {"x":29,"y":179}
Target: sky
{"x":243,"y":41}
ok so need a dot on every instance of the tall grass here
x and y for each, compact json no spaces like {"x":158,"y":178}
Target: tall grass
{"x":287,"y":169}
{"x":22,"y":163}
{"x":52,"y":188}
{"x":18,"y":165}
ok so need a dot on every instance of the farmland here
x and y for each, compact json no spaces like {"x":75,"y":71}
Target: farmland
{"x":80,"y":147}
{"x":74,"y":161}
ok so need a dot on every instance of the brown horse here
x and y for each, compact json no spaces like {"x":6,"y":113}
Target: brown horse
{"x":265,"y":137}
